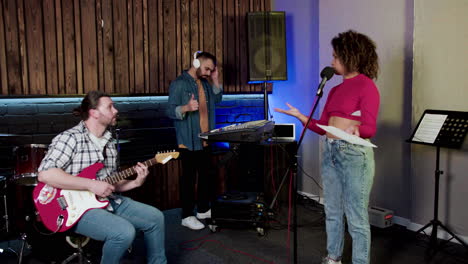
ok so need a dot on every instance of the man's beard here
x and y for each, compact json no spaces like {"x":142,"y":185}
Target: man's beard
{"x":200,"y":76}
{"x":112,"y":122}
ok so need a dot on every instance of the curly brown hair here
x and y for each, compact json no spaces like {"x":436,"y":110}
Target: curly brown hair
{"x":357,"y":52}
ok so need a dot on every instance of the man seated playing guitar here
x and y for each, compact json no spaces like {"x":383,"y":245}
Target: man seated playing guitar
{"x":85,"y":144}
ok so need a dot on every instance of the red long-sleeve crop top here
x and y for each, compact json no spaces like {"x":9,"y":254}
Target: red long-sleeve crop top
{"x":356,"y":98}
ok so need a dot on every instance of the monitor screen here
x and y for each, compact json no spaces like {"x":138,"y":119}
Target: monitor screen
{"x":284,"y":132}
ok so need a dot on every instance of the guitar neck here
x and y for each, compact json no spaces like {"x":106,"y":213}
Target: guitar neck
{"x":122,"y":175}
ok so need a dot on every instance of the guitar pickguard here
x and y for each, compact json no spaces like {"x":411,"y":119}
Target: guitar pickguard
{"x":79,"y":202}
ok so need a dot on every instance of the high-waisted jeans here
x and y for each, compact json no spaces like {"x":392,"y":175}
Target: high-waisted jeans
{"x":347,"y":175}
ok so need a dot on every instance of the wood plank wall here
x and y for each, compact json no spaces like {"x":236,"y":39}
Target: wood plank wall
{"x":68,"y":47}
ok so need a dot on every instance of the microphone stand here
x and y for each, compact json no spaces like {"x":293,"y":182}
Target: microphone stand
{"x":293,"y":168}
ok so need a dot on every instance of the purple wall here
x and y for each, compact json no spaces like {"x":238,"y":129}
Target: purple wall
{"x":302,"y":32}
{"x":302,"y":40}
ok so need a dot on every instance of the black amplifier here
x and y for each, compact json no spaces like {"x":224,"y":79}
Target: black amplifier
{"x":245,"y":209}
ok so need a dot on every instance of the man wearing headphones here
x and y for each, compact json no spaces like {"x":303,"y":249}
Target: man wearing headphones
{"x":192,"y":99}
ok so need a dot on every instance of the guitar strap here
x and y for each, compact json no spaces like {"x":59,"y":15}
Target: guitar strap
{"x":104,"y":150}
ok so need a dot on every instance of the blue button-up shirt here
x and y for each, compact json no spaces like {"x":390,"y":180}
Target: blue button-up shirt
{"x":187,"y":125}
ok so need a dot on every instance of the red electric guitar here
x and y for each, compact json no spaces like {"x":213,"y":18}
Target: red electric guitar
{"x":60,"y":209}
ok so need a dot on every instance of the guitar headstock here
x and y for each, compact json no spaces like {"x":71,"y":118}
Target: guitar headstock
{"x":166,"y":156}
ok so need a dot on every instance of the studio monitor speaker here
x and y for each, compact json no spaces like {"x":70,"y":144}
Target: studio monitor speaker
{"x":266,"y":33}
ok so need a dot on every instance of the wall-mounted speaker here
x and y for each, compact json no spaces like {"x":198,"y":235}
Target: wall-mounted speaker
{"x":266,"y":33}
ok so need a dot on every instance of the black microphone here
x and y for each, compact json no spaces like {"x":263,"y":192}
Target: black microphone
{"x":326,"y":74}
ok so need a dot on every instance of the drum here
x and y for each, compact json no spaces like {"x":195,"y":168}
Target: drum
{"x":21,"y":208}
{"x":28,"y":159}
{"x":24,"y":221}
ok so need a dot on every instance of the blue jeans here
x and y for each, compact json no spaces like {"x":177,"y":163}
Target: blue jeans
{"x":118,"y":228}
{"x":347,"y":176}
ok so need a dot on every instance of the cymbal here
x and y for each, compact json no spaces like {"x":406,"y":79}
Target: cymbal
{"x":9,"y":135}
{"x":123,"y":141}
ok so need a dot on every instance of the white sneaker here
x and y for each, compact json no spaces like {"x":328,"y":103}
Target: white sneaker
{"x":204,"y":215}
{"x":328,"y":260}
{"x":192,"y":223}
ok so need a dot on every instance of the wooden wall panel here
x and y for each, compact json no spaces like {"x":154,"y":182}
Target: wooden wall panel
{"x":185,"y":34}
{"x":208,"y":26}
{"x":139,"y":47}
{"x":35,"y":46}
{"x":131,"y":49}
{"x":22,"y":48}
{"x":146,"y":44}
{"x":3,"y":60}
{"x":218,"y":24}
{"x":89,"y":45}
{"x":69,"y":51}
{"x":229,"y":51}
{"x":170,"y":59}
{"x":178,"y":48}
{"x":78,"y":46}
{"x":58,"y":47}
{"x":121,"y":64}
{"x":13,"y":62}
{"x":153,"y":52}
{"x":160,"y":58}
{"x":194,"y":27}
{"x":243,"y":68}
{"x":50,"y":47}
{"x":108,"y":46}
{"x":100,"y":43}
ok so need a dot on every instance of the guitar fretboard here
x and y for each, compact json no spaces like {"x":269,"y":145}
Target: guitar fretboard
{"x":127,"y":173}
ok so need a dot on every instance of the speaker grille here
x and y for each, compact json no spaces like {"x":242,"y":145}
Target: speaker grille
{"x":267,"y":46}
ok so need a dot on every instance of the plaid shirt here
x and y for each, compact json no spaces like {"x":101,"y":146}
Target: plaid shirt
{"x":73,"y":150}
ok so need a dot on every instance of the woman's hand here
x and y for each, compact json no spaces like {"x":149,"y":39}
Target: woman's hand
{"x":292,"y":111}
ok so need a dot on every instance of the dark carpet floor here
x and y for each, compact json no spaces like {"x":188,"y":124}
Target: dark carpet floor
{"x":244,"y":245}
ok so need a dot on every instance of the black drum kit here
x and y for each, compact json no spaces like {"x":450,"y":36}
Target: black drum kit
{"x":18,"y":217}
{"x":16,"y":191}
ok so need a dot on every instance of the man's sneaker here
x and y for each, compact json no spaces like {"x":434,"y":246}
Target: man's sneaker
{"x":328,"y":260}
{"x":204,"y":215}
{"x":192,"y":223}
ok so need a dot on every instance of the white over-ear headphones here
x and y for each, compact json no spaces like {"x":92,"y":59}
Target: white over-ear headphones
{"x":196,"y":62}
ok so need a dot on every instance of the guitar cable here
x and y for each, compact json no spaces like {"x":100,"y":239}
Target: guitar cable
{"x":59,"y":225}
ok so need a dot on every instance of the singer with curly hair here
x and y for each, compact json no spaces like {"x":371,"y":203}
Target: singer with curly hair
{"x":348,"y":169}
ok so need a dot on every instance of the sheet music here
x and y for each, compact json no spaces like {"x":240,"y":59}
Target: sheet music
{"x":346,"y":136}
{"x":429,"y":128}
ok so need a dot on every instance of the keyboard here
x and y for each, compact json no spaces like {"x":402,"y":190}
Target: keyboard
{"x":248,"y":132}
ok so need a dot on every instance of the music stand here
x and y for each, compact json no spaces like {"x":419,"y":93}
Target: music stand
{"x":447,"y":129}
